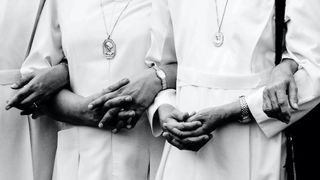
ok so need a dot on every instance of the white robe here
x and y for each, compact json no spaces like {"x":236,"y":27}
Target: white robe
{"x":75,"y":29}
{"x":209,"y":76}
{"x":27,"y":146}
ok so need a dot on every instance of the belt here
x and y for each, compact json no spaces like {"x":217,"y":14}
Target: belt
{"x":9,"y":76}
{"x":189,"y":76}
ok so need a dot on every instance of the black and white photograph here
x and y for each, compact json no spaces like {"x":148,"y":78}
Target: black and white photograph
{"x":159,"y":89}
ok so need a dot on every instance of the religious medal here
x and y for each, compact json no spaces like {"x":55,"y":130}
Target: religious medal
{"x":109,"y":48}
{"x":218,"y":36}
{"x":218,"y":39}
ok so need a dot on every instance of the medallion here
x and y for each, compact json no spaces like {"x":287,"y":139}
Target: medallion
{"x":109,"y":48}
{"x":218,"y":39}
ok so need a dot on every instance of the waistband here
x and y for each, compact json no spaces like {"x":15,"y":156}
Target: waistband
{"x":189,"y":76}
{"x":9,"y":76}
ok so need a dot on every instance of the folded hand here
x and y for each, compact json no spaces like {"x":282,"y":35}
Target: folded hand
{"x":173,"y":121}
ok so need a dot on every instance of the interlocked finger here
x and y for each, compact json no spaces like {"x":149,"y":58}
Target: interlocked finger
{"x":109,"y":119}
{"x":117,"y":101}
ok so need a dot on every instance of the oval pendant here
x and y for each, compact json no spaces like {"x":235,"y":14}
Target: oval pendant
{"x":109,"y":48}
{"x":218,"y":39}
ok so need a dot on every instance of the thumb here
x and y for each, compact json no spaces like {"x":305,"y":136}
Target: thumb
{"x":180,"y":116}
{"x":22,"y":81}
{"x":293,"y":95}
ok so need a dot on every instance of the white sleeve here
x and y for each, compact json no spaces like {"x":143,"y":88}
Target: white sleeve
{"x":46,"y":50}
{"x":161,"y":51}
{"x":303,"y":45}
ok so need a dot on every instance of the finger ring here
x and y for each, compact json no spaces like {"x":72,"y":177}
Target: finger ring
{"x":35,"y":105}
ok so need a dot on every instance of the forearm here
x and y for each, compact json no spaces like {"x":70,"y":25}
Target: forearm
{"x":155,"y":84}
{"x":61,"y":74}
{"x":70,"y":108}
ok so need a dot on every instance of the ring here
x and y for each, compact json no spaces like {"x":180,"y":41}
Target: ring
{"x":35,"y":105}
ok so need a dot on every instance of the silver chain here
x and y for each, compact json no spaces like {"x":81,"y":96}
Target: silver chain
{"x":115,"y":24}
{"x":219,"y":23}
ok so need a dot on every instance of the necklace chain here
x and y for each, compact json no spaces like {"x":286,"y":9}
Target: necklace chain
{"x":115,"y":24}
{"x":219,"y":23}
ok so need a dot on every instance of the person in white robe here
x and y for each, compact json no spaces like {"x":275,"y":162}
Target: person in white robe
{"x":76,"y":30}
{"x":23,"y":153}
{"x":212,"y":78}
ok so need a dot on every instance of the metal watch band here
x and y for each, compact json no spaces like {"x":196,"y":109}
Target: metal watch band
{"x":245,"y":112}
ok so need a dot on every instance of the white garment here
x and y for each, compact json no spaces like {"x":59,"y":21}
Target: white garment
{"x":75,"y":29}
{"x":209,"y":76}
{"x":27,"y":146}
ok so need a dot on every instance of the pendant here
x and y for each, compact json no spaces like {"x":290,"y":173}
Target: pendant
{"x":109,"y":48}
{"x":218,"y":39}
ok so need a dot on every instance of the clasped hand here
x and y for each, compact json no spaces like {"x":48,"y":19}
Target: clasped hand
{"x":125,"y":104}
{"x":189,"y":131}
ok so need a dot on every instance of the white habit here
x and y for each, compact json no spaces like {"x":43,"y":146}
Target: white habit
{"x":209,"y":76}
{"x":27,"y":146}
{"x":76,"y":29}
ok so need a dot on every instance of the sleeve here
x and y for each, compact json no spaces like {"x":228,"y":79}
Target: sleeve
{"x":161,"y":51}
{"x":46,"y":49}
{"x":303,"y":46}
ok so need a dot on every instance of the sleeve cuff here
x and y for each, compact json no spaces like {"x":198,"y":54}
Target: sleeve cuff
{"x":164,"y":97}
{"x":268,"y":125}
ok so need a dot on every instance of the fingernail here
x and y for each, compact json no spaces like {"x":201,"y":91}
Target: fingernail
{"x":100,"y":125}
{"x":8,"y":107}
{"x":114,"y":131}
{"x":164,"y":134}
{"x":14,"y":85}
{"x":165,"y":126}
{"x":296,"y":105}
{"x":129,"y":126}
{"x":90,"y":106}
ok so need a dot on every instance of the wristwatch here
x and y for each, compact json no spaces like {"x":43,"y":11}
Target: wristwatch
{"x":245,"y":112}
{"x":161,"y":75}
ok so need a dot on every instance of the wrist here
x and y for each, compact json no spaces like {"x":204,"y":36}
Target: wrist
{"x":163,"y":111}
{"x":61,"y":71}
{"x":290,"y":65}
{"x":154,"y":81}
{"x":231,"y":112}
{"x":85,"y":116}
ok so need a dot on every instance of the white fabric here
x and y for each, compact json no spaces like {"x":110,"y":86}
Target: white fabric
{"x":27,"y":146}
{"x":75,"y":29}
{"x":255,"y":151}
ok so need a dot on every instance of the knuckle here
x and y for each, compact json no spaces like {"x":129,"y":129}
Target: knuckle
{"x":179,"y":133}
{"x":281,"y":102}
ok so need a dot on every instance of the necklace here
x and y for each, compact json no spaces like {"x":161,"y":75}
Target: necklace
{"x":109,"y":47}
{"x":219,"y":37}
